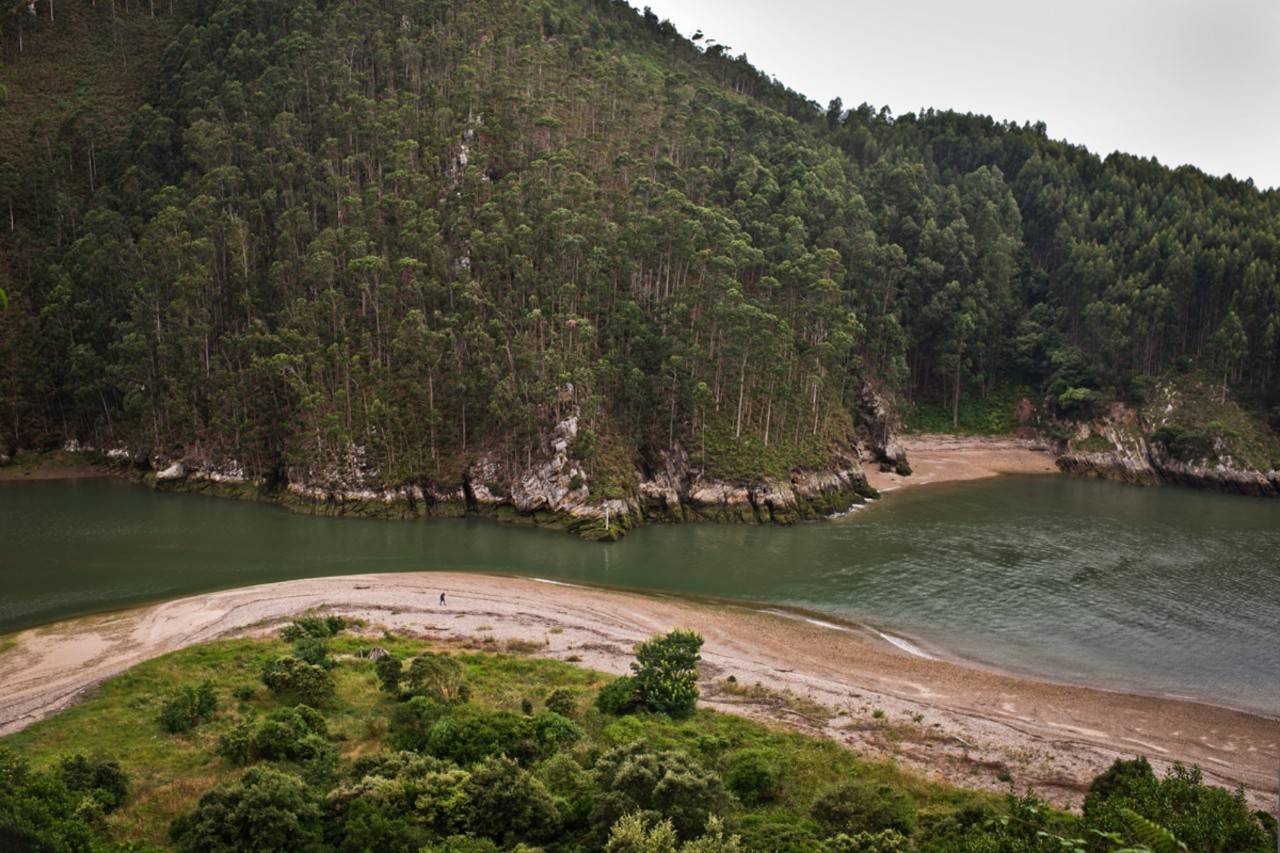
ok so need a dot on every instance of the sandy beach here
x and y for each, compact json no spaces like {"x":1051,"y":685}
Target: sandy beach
{"x":952,"y":458}
{"x":945,"y":720}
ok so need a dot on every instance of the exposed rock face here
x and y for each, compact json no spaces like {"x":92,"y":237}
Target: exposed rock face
{"x":1135,"y":457}
{"x":553,"y":490}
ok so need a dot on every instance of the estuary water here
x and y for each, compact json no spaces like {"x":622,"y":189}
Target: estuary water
{"x":1163,"y":591}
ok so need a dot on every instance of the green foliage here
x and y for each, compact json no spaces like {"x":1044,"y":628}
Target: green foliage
{"x":313,"y":650}
{"x":38,"y":811}
{"x":1203,"y":817}
{"x":885,"y":841}
{"x":297,"y":681}
{"x":858,"y":807}
{"x":509,"y":803}
{"x":100,"y":778}
{"x":298,"y":735}
{"x":619,"y":696}
{"x":188,"y":708}
{"x":266,"y":809}
{"x":390,"y":672}
{"x":312,"y":627}
{"x":664,"y":783}
{"x":666,"y":673}
{"x":438,"y":677}
{"x":753,"y":776}
{"x":563,"y":702}
{"x":539,"y":779}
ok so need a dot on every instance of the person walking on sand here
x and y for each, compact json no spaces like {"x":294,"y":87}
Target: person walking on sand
{"x":442,"y":599}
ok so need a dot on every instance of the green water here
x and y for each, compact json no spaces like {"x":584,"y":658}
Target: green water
{"x":1159,"y":590}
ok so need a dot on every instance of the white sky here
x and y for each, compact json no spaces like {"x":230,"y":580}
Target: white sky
{"x":1185,"y":81}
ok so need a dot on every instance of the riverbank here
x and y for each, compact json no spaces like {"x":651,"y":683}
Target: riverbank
{"x":954,"y":458}
{"x":949,"y":721}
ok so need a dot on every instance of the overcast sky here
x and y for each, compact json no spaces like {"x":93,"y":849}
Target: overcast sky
{"x":1185,"y":81}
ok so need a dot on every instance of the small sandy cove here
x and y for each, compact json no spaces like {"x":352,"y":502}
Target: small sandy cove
{"x":967,"y":725}
{"x":951,"y":458}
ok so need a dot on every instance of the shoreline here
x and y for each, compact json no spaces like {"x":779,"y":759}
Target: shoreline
{"x":941,"y":458}
{"x":963,"y":723}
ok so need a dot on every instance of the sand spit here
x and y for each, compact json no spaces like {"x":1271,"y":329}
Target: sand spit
{"x":967,"y":725}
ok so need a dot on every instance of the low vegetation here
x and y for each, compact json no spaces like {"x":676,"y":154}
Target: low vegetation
{"x":424,"y":748}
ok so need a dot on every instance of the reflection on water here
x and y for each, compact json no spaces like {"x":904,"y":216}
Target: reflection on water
{"x":1153,"y":589}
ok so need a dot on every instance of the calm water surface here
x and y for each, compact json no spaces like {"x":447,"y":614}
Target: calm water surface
{"x":1159,"y":590}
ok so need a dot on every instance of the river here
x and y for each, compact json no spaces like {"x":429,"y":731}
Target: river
{"x":1164,"y":591}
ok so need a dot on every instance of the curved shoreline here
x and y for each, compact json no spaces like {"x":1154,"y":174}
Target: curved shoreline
{"x":968,"y":725}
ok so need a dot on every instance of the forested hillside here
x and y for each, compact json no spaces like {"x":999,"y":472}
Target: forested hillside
{"x":381,"y":241}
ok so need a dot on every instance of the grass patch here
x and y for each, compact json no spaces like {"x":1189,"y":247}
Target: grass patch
{"x":169,"y":773}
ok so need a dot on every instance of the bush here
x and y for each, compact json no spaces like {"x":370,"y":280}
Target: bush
{"x":666,"y":673}
{"x":667,"y":783}
{"x":411,"y":723}
{"x":296,"y":734}
{"x":298,"y":681}
{"x":188,"y":708}
{"x":245,"y":692}
{"x":437,"y":677}
{"x":1203,"y":817}
{"x":38,"y":811}
{"x":265,"y":810}
{"x":885,"y":841}
{"x":563,"y":702}
{"x":509,"y":804}
{"x":312,"y":626}
{"x":618,"y":696}
{"x":753,"y":777}
{"x":467,"y":735}
{"x":775,"y":832}
{"x":390,"y":672}
{"x":100,"y":778}
{"x":864,"y":807}
{"x":313,"y":650}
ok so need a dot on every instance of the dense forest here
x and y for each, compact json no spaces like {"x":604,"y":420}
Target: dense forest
{"x":393,"y":235}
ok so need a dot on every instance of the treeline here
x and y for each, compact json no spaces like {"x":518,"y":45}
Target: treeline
{"x":392,"y":236}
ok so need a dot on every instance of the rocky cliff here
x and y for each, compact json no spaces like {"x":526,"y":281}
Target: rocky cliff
{"x":1179,"y":438}
{"x":552,"y":490}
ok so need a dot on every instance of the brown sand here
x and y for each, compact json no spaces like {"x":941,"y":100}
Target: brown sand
{"x":949,"y":458}
{"x":945,"y":720}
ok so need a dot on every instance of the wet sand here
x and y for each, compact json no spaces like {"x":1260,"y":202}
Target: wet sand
{"x":945,"y":720}
{"x":952,"y":458}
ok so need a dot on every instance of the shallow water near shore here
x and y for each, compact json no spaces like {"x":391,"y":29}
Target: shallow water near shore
{"x":1151,"y":590}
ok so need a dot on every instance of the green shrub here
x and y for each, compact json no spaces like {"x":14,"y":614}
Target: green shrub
{"x":509,"y":804}
{"x":885,"y":841}
{"x":667,"y":783}
{"x":857,"y":807}
{"x":38,"y":811}
{"x":779,"y":832}
{"x":312,"y":626}
{"x":618,"y":696}
{"x":1204,"y":817}
{"x":467,"y":735}
{"x":313,"y":650}
{"x":297,"y":734}
{"x":563,"y":702}
{"x":298,"y":681}
{"x":100,"y":778}
{"x":666,"y":673}
{"x":245,"y":692}
{"x":411,"y":723}
{"x":265,"y":810}
{"x":390,"y":672}
{"x":437,"y":677}
{"x":188,"y":708}
{"x":753,"y":777}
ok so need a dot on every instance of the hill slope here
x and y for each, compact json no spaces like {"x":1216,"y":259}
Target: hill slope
{"x":554,"y":255}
